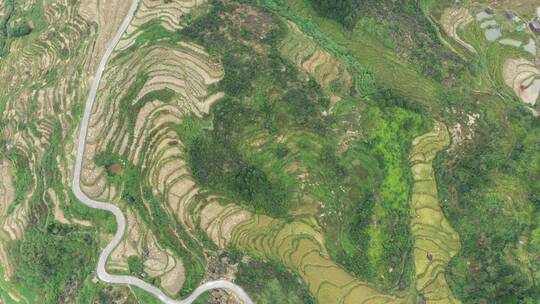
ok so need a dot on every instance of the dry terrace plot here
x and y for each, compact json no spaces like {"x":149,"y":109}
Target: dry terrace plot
{"x":7,"y":196}
{"x":3,"y":9}
{"x":37,"y":110}
{"x":524,"y":78}
{"x":157,"y":261}
{"x":147,"y":88}
{"x":454,"y":19}
{"x":326,"y":69}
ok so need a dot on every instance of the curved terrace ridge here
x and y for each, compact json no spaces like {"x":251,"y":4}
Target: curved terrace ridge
{"x":119,"y":216}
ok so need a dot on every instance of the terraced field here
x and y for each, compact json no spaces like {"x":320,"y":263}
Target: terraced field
{"x":523,"y":77}
{"x":454,"y":20}
{"x":435,"y":241}
{"x":300,"y":246}
{"x":387,"y":68}
{"x":39,"y":114}
{"x":6,"y":198}
{"x":325,"y":68}
{"x":158,"y":262}
{"x":134,"y":118}
{"x":48,"y":55}
{"x":28,"y":134}
{"x":233,"y":133}
{"x":145,"y":92}
{"x":507,"y":65}
{"x":3,"y":10}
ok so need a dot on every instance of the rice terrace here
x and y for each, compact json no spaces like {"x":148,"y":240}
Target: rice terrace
{"x":270,"y":151}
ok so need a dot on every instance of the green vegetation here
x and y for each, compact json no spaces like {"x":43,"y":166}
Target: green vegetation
{"x":46,"y":260}
{"x":19,"y":30}
{"x":495,"y":181}
{"x":254,"y":100}
{"x":401,"y":24}
{"x":380,"y":30}
{"x":138,"y":196}
{"x":389,"y":239}
{"x":344,"y":11}
{"x":315,"y":136}
{"x":23,"y":177}
{"x":219,"y":167}
{"x":368,"y":183}
{"x":97,"y":293}
{"x":141,"y":296}
{"x":48,"y":252}
{"x":4,"y":27}
{"x":270,"y":283}
{"x":11,"y":30}
{"x":386,"y":141}
{"x":136,"y":265}
{"x":367,"y":57}
{"x":202,"y":299}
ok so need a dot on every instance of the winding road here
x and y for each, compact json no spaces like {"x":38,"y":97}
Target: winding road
{"x":120,"y":218}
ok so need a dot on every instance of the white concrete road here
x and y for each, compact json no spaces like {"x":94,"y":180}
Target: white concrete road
{"x":120,"y":219}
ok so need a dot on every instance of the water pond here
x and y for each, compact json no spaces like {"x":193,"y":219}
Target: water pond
{"x":530,"y":47}
{"x":493,"y":34}
{"x":512,"y":42}
{"x":483,"y":15}
{"x":488,"y":23}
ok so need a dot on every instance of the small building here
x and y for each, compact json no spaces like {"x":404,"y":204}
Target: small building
{"x":489,"y":10}
{"x":535,"y":27}
{"x":510,"y":15}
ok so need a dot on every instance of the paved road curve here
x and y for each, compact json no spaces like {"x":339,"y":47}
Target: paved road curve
{"x":120,"y":219}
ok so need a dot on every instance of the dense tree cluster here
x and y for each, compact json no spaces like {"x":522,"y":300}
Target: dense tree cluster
{"x":46,"y":259}
{"x":266,"y":92}
{"x":270,"y":283}
{"x":251,"y":75}
{"x":19,"y":30}
{"x":9,"y":30}
{"x":390,"y":21}
{"x":490,"y":193}
{"x":344,"y":11}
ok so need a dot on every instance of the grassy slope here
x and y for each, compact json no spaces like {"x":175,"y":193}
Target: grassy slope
{"x":386,"y":67}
